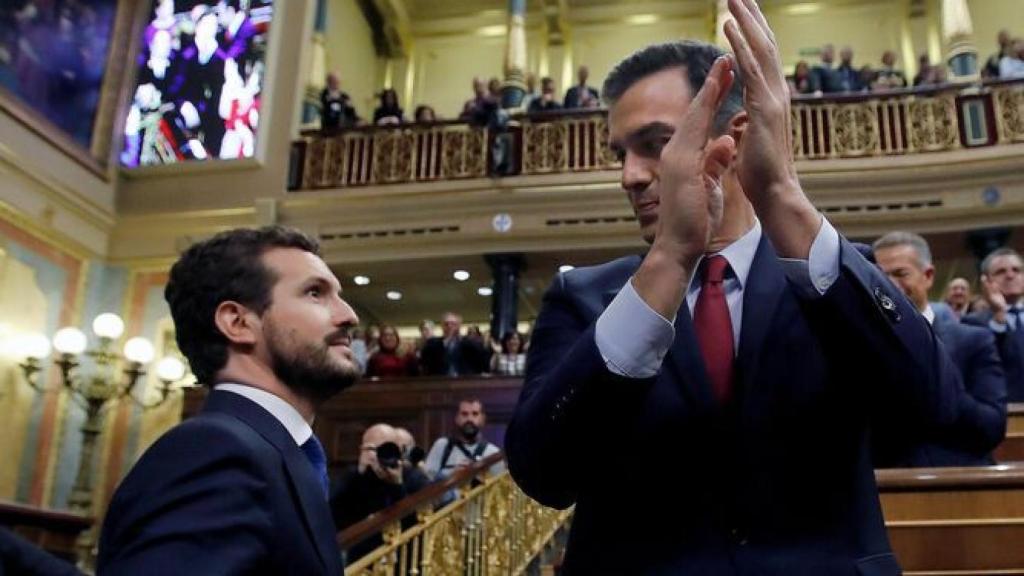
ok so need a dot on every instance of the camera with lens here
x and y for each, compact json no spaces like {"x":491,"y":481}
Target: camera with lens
{"x":389,"y":455}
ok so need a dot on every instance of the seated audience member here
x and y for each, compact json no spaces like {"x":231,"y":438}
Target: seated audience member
{"x":370,"y":486}
{"x":389,"y":112}
{"x":981,"y":416}
{"x":466,"y":446}
{"x":511,"y":359}
{"x":991,"y":69}
{"x":450,"y":353}
{"x":479,"y":109}
{"x":546,"y":101}
{"x":958,"y":296}
{"x":825,"y":79}
{"x":1012,"y":65}
{"x":888,"y":77}
{"x":242,"y":487}
{"x":414,"y":477}
{"x":924,"y":72}
{"x":19,"y":557}
{"x":581,"y":95}
{"x":425,"y":114}
{"x":388,"y":361}
{"x":849,"y":77}
{"x":1002,"y":286}
{"x":800,"y":82}
{"x":336,"y":110}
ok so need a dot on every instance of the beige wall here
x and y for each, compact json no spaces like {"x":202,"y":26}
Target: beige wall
{"x":991,"y":16}
{"x":349,"y":51}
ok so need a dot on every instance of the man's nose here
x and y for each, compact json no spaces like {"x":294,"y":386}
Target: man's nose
{"x":637,"y":173}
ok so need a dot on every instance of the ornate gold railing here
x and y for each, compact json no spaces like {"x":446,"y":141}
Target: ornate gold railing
{"x":489,"y":529}
{"x":900,"y":122}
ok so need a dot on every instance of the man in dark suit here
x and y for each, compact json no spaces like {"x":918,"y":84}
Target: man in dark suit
{"x":451,"y":354}
{"x":581,"y":95}
{"x":707,"y":406}
{"x":981,"y":418}
{"x":1002,"y":285}
{"x":242,"y":487}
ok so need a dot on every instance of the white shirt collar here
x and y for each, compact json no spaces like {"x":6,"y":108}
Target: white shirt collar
{"x":929,"y":314}
{"x":740,"y":255}
{"x":285,"y":413}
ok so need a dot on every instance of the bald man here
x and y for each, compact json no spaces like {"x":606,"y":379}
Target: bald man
{"x":370,"y":486}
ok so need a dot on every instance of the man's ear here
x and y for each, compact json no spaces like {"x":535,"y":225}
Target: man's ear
{"x":236,"y":322}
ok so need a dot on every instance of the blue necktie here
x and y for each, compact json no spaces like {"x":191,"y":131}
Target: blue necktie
{"x":314,"y":452}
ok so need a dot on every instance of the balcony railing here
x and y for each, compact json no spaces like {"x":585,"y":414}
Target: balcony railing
{"x":900,"y":122}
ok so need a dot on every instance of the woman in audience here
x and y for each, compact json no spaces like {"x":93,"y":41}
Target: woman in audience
{"x":389,"y":112}
{"x":425,"y":114}
{"x":388,"y":362}
{"x":512,"y":359}
{"x":800,"y":81}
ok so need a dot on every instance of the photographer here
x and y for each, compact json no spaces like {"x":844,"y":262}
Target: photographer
{"x":372,"y":485}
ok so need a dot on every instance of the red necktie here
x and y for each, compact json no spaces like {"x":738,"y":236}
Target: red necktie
{"x":714,"y":328}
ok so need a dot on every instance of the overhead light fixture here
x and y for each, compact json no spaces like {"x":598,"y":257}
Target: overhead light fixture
{"x":565,"y":268}
{"x":394,"y":295}
{"x":484,"y":291}
{"x":361,"y":280}
{"x":460,"y":275}
{"x":803,"y":8}
{"x":490,"y":31}
{"x":641,"y":19}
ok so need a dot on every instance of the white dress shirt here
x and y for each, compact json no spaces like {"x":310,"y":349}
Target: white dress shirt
{"x":1011,"y":319}
{"x":633,"y":339}
{"x":284,"y":412}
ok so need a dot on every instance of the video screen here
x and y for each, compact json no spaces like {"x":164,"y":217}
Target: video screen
{"x":201,"y":69}
{"x":53,"y":54}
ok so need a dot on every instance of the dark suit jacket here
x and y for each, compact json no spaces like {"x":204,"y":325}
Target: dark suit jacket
{"x":981,"y":418}
{"x":1011,"y":353}
{"x":573,"y":96}
{"x":225,"y":492}
{"x":780,"y":482}
{"x":470,"y":357}
{"x":19,"y":557}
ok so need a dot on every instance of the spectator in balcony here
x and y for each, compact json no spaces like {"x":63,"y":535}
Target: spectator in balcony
{"x":510,"y":360}
{"x":1012,"y":65}
{"x":849,"y":77}
{"x":389,"y":112}
{"x":370,"y":486}
{"x":426,"y":333}
{"x":494,"y":88}
{"x":958,"y":296}
{"x":465,"y":446}
{"x":336,"y":110}
{"x":981,"y":414}
{"x":479,"y":109}
{"x":581,"y":95}
{"x":924,"y":66}
{"x":1002,"y":286}
{"x":546,"y":102}
{"x":991,"y":69}
{"x":531,"y":91}
{"x":451,"y":354}
{"x":425,"y":114}
{"x":868,"y":75}
{"x":358,"y":347}
{"x":389,"y":361}
{"x":889,"y":78}
{"x":824,"y":75}
{"x":801,"y":82}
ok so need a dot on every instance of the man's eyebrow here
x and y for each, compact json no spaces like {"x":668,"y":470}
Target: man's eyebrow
{"x":647,"y":131}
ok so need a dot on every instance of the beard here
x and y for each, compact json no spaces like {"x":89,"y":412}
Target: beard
{"x":470,"y":431}
{"x":308,"y":368}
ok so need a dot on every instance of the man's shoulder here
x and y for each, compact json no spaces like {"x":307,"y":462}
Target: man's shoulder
{"x":208,"y":436}
{"x":609,"y":275}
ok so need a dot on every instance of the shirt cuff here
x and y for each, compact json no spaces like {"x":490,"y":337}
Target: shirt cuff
{"x":631,"y":337}
{"x":997,"y":327}
{"x":814,"y":276}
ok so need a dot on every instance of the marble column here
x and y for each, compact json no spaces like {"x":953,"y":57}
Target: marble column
{"x":514,"y":88}
{"x":317,"y":66}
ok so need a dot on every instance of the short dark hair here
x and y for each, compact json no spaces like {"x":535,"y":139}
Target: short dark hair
{"x":1004,"y":251}
{"x":695,"y":57}
{"x":226,"y":267}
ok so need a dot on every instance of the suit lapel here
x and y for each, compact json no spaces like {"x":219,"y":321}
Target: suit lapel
{"x":305,"y":485}
{"x":765,"y":286}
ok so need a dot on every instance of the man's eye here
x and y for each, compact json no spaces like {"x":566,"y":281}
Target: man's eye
{"x":314,"y":292}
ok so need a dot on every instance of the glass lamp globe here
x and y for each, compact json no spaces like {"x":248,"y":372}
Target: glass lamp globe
{"x":70,"y":340}
{"x":35,"y":346}
{"x":170,"y":369}
{"x":108,"y":325}
{"x":139,"y":350}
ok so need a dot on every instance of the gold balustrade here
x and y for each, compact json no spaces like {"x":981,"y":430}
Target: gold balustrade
{"x":491,"y":528}
{"x":900,"y":122}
